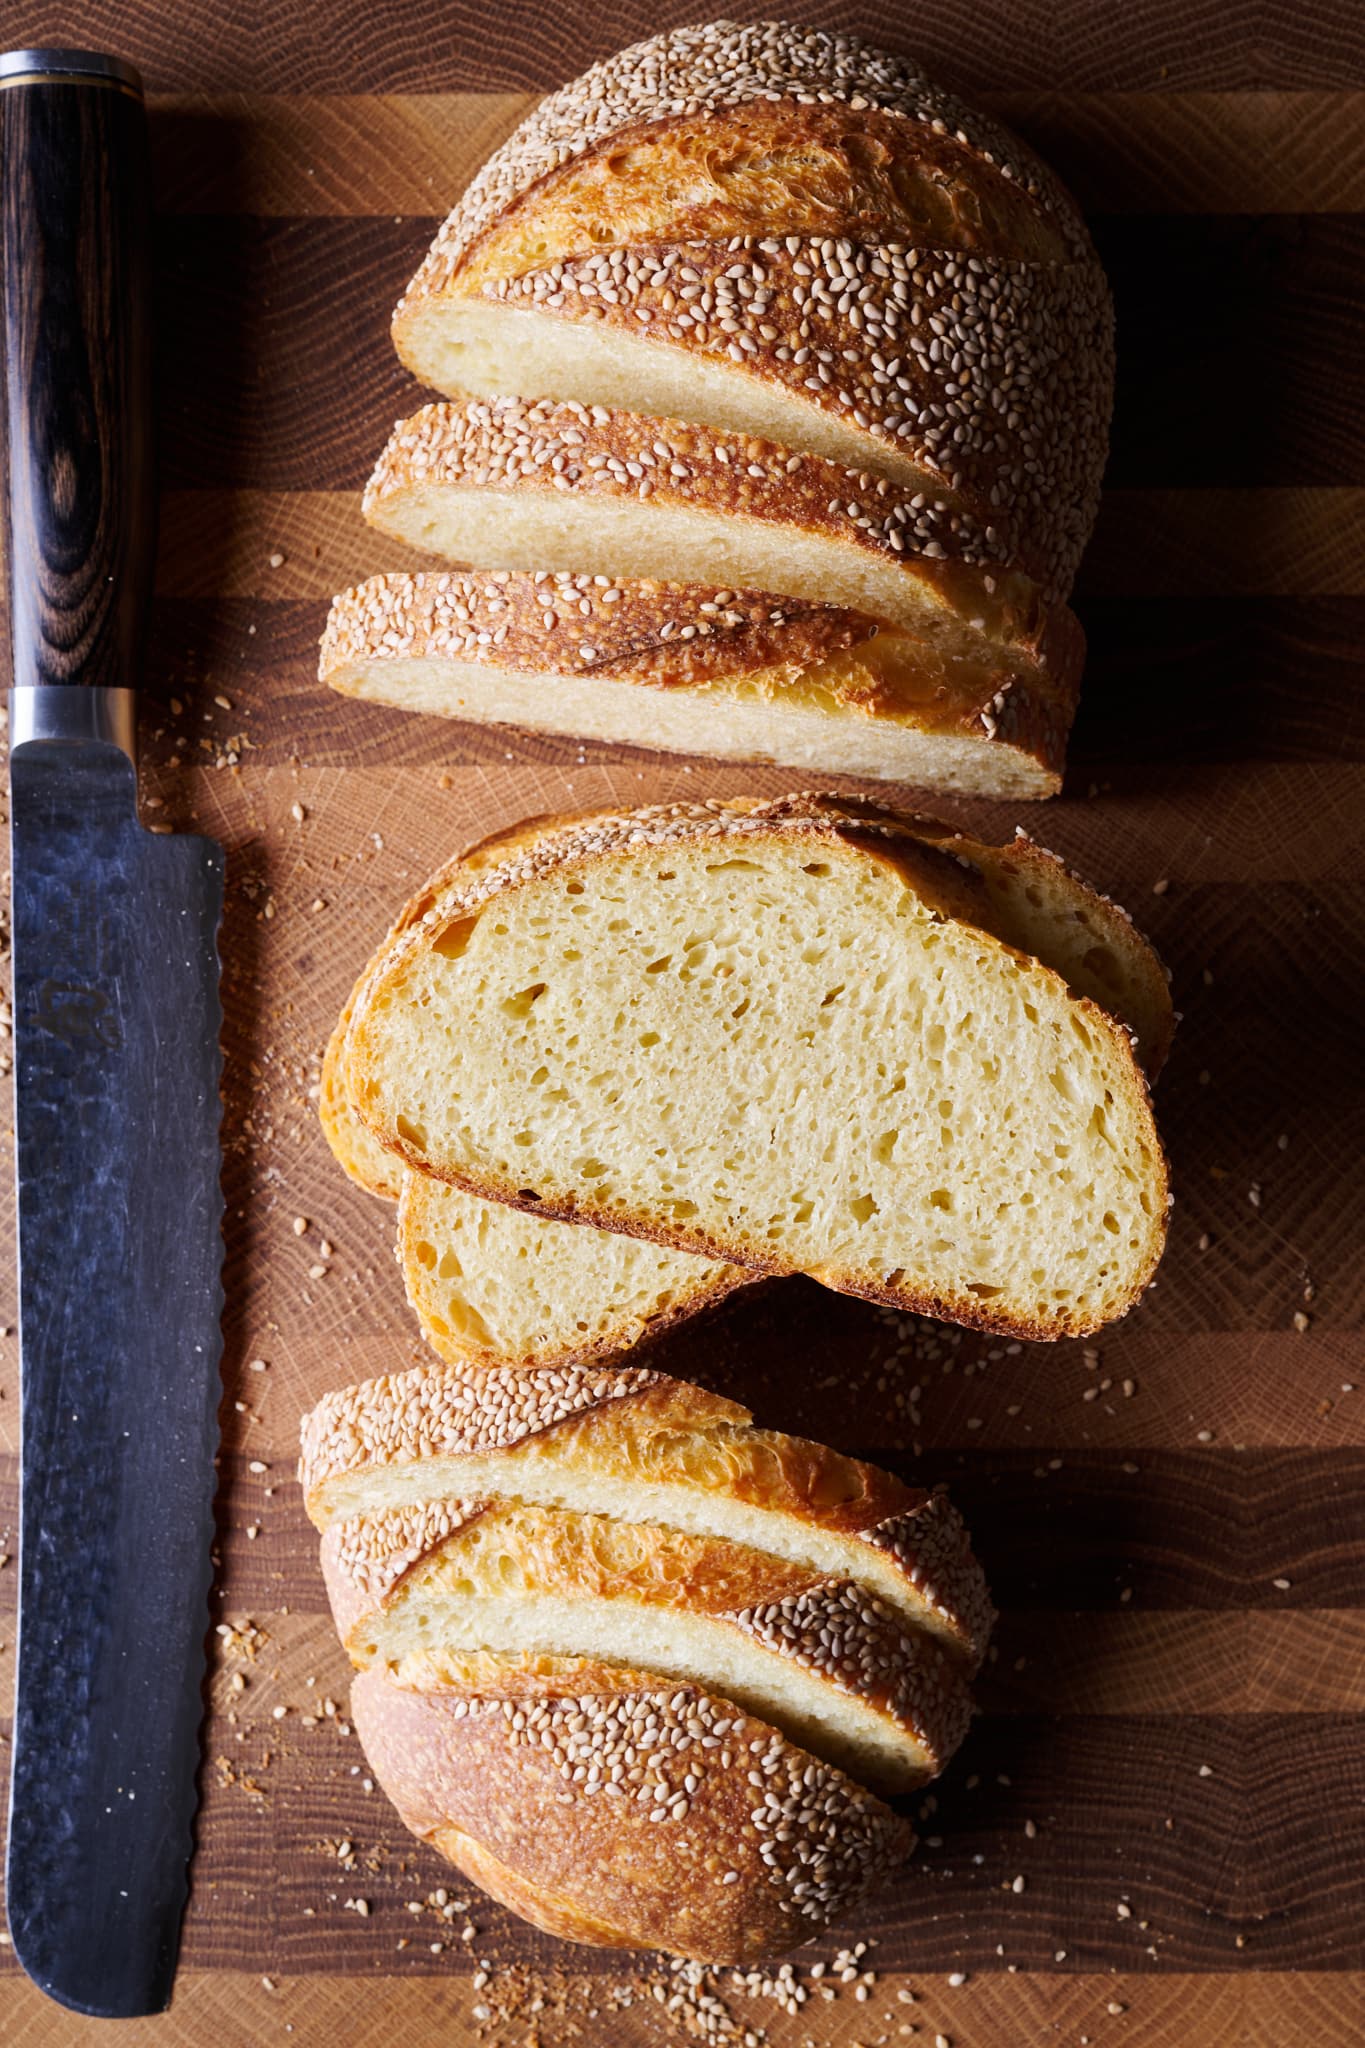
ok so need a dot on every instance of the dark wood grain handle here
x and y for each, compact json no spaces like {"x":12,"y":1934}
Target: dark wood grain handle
{"x":74,"y":203}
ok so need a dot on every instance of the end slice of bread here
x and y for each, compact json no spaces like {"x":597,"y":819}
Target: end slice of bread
{"x":608,"y":1806}
{"x":782,"y":1036}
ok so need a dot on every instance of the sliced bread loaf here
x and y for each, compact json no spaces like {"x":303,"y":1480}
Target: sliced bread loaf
{"x":644,"y":1448}
{"x":780,"y":1035}
{"x":544,"y":486}
{"x":989,"y":380}
{"x":822,"y":1659}
{"x":700,"y":670}
{"x":608,"y":1807}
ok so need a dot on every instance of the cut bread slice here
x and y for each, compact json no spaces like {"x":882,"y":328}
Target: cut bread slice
{"x":605,"y":1806}
{"x":824,"y":1660}
{"x":516,"y":485}
{"x":988,"y":380}
{"x":825,"y":114}
{"x":495,"y":1285}
{"x":780,"y":1035}
{"x":692,"y":669}
{"x":643,"y":1448}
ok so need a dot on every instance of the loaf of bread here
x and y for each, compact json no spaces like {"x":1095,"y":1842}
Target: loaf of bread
{"x":643,"y":1447}
{"x":603,"y":1612}
{"x":607,"y":1807}
{"x":780,"y":1035}
{"x":695,"y":669}
{"x":763,"y":308}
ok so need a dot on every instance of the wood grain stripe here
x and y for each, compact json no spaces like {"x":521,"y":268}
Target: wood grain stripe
{"x":1191,"y":45}
{"x":1233,"y":2011}
{"x":1149,"y":543}
{"x":1138,"y":152}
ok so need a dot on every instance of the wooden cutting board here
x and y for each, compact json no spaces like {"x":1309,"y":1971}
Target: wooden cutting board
{"x":1156,"y":1833}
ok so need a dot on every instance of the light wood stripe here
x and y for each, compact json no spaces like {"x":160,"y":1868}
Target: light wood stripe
{"x":991,"y":2010}
{"x":1216,"y":543}
{"x":1194,"y":152}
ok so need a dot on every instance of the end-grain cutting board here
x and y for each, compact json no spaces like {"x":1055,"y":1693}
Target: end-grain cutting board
{"x":1156,"y":1833}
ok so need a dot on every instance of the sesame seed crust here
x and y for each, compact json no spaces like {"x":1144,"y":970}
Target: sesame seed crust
{"x":513,"y":444}
{"x":691,"y":73}
{"x":788,"y":168}
{"x":931,"y":1546}
{"x":991,"y":381}
{"x":692,"y":637}
{"x":909,"y":1704}
{"x":625,"y":1811}
{"x":450,"y":1413}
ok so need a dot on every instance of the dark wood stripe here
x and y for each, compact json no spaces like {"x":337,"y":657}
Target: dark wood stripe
{"x":1210,"y":309}
{"x":1162,"y":45}
{"x":1266,"y":1847}
{"x":1172,"y":681}
{"x":1160,"y":152}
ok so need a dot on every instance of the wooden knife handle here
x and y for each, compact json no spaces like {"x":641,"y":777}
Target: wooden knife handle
{"x":74,"y":209}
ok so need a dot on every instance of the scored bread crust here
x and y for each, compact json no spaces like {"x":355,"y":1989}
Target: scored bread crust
{"x":427,"y":1438}
{"x":988,"y":380}
{"x":608,"y":1807}
{"x":524,"y":482}
{"x":825,"y":1650}
{"x":770,"y":167}
{"x":624,"y":637}
{"x":696,"y":73}
{"x":957,"y":886}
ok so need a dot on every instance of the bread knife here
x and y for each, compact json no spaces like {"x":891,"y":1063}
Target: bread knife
{"x":116,"y":1028}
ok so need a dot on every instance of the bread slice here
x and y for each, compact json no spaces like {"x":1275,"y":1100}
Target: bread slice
{"x":607,"y":1807}
{"x":740,"y":675}
{"x":495,"y":1285}
{"x":710,"y":125}
{"x":644,"y":1448}
{"x":779,"y":1035}
{"x":515,"y":485}
{"x":988,"y":380}
{"x":823,"y":1659}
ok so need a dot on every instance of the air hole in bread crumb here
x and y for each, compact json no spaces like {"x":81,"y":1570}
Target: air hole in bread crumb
{"x":648,"y":1038}
{"x":425,"y":1254}
{"x":454,"y":940}
{"x":411,"y":1133}
{"x":520,"y":1005}
{"x":982,"y":1291}
{"x":816,"y":867}
{"x":661,"y":965}
{"x":863,"y":1207}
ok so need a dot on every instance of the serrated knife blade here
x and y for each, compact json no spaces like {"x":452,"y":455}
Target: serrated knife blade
{"x":117,"y":1021}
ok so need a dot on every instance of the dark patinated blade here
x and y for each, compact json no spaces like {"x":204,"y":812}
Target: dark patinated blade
{"x":117,"y":1017}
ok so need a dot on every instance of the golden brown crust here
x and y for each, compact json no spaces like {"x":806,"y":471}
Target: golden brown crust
{"x":619,"y":1814}
{"x":876,"y":830}
{"x":988,"y":380}
{"x":958,"y":574}
{"x":771,"y":167}
{"x":694,"y":74}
